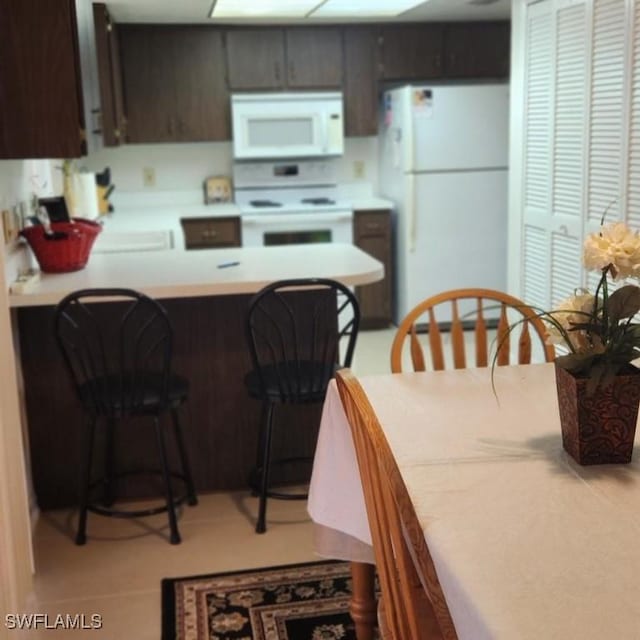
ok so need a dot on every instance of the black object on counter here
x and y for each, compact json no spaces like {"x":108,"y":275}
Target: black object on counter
{"x":56,"y":208}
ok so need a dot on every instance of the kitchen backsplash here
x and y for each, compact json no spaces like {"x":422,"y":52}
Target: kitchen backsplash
{"x":175,"y":167}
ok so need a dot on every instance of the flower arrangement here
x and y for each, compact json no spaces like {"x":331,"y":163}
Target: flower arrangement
{"x":597,"y":330}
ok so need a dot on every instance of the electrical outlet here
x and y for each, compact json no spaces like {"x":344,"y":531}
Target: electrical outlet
{"x":149,"y":177}
{"x":358,"y":169}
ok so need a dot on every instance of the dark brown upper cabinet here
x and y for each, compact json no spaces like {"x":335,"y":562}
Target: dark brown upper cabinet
{"x":112,"y":121}
{"x":411,"y":52}
{"x":361,"y":63}
{"x":41,"y":108}
{"x":174,"y":83}
{"x":314,"y":58}
{"x":255,"y":58}
{"x":278,"y":58}
{"x":477,"y":50}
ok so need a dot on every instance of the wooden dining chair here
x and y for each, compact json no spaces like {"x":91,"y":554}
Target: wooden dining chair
{"x":460,"y":310}
{"x":412,"y":606}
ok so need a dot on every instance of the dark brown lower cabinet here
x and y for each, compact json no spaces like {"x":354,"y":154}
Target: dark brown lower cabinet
{"x":372,"y":233}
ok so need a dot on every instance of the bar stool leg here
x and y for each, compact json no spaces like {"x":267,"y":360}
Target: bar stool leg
{"x":192,"y":499}
{"x":254,"y":477}
{"x":261,"y":526}
{"x":85,"y":480}
{"x":109,"y":495}
{"x":173,"y":524}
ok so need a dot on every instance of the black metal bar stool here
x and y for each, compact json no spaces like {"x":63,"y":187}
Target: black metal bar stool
{"x":119,"y":359}
{"x":300,"y":332}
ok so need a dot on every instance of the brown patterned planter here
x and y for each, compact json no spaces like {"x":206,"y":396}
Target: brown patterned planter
{"x":598,"y":428}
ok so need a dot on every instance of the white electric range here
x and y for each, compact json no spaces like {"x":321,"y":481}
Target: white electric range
{"x":290,"y":202}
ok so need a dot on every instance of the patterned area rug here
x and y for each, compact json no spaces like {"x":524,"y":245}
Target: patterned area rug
{"x":296,"y":602}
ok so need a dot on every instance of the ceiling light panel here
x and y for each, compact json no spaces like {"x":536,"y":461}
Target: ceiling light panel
{"x":262,"y":8}
{"x":372,"y":8}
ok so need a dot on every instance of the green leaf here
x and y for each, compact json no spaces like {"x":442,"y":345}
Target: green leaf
{"x":624,"y":302}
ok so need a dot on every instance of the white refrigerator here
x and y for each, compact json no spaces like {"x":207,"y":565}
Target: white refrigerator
{"x":444,"y":162}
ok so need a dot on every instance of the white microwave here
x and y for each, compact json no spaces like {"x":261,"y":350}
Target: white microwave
{"x":287,"y":125}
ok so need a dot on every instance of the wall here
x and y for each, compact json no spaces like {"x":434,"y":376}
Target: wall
{"x":185,"y":166}
{"x":19,"y":180}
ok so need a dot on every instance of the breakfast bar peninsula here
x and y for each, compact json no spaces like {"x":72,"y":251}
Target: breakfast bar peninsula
{"x":206,"y":295}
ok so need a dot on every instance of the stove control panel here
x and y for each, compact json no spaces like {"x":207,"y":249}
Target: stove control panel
{"x":286,"y":173}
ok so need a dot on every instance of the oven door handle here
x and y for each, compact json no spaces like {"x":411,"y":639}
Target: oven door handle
{"x":338,"y":217}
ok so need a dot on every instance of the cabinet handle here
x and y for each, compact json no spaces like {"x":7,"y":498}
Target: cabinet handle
{"x":97,"y":120}
{"x":277,"y":71}
{"x":372,"y":226}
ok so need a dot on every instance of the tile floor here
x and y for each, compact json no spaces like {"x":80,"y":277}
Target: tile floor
{"x":117,"y":573}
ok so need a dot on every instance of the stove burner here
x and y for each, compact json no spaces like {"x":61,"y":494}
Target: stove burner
{"x":264,"y":203}
{"x":318,"y":201}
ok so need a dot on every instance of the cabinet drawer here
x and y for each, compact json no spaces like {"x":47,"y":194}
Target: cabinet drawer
{"x":371,"y":223}
{"x":206,"y":233}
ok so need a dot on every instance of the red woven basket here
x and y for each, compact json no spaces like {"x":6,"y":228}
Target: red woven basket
{"x":68,"y":249}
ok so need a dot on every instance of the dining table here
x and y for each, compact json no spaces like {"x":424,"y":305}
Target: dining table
{"x":526,"y":543}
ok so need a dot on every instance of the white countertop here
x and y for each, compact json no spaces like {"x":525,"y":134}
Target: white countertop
{"x":363,"y":204}
{"x":183,"y":274}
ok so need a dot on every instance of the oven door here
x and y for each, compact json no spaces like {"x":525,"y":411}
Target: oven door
{"x":268,"y":229}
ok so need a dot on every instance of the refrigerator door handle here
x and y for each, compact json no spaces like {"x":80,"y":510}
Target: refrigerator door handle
{"x":411,"y":213}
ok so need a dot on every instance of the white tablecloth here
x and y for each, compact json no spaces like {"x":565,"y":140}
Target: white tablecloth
{"x":527,"y":543}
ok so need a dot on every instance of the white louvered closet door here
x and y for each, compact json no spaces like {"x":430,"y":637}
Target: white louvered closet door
{"x":537,"y":139}
{"x":608,"y":120}
{"x":569,"y":131}
{"x":555,"y":115}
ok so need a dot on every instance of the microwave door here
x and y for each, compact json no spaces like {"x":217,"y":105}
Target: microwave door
{"x":284,"y":135}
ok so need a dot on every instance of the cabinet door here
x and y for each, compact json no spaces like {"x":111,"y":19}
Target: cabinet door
{"x":110,"y":76}
{"x":372,"y":233}
{"x":89,"y":74}
{"x":412,"y":52}
{"x":174,"y":84}
{"x":41,"y":111}
{"x":477,"y":50}
{"x":314,"y":58}
{"x":202,"y":109}
{"x":255,"y":58}
{"x":211,"y":233}
{"x":361,"y":64}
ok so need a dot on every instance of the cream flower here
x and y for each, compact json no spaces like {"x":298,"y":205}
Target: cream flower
{"x":571,"y":311}
{"x":614,"y":245}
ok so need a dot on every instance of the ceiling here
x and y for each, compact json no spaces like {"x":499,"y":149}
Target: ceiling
{"x":194,"y":11}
